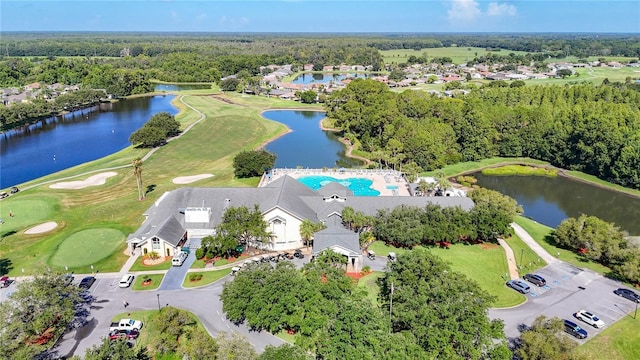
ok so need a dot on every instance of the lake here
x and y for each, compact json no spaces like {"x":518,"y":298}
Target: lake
{"x":307,"y":145}
{"x":58,"y":143}
{"x":308,"y":78}
{"x":549,"y":200}
{"x":178,"y":87}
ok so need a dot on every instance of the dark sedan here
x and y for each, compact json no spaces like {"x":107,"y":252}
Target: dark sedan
{"x":87,"y":282}
{"x":628,"y":294}
{"x":124,"y":334}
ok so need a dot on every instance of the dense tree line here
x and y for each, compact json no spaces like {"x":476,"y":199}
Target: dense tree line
{"x":337,"y":321}
{"x":408,"y":226}
{"x":594,"y":129}
{"x":252,"y":163}
{"x":602,"y":242}
{"x":96,"y":44}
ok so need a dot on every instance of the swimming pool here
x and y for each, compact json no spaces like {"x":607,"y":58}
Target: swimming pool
{"x":359,"y":186}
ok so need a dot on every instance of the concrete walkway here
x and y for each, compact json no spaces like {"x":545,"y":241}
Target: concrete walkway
{"x":511,"y":260}
{"x":539,"y":250}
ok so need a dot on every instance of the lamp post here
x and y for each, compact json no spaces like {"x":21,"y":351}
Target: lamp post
{"x":158,"y":295}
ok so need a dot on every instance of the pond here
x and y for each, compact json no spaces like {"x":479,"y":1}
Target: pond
{"x":307,"y":78}
{"x":178,"y":87}
{"x":58,"y":143}
{"x":307,"y":145}
{"x":549,"y":200}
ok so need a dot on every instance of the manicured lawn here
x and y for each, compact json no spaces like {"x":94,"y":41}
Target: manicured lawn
{"x":139,"y":266}
{"x":287,"y":337}
{"x":369,"y":284}
{"x":486,"y":264}
{"x":520,"y":170}
{"x":156,"y":279}
{"x":524,"y":255}
{"x":620,"y":341}
{"x":94,"y":244}
{"x":473,"y":166}
{"x":542,"y":235}
{"x":208,"y":277}
{"x":114,"y":205}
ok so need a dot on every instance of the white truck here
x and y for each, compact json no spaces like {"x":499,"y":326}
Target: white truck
{"x":126,"y":324}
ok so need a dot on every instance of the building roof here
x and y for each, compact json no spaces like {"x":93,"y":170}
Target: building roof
{"x":337,"y":238}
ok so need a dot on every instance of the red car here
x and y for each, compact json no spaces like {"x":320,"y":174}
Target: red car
{"x":124,"y":334}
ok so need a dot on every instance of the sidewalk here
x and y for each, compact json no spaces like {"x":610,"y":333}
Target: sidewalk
{"x":539,"y":250}
{"x":511,"y":259}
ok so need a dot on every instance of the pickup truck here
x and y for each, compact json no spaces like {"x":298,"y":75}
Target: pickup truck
{"x":126,"y":324}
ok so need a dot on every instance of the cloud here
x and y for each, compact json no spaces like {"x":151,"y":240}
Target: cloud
{"x":464,"y":10}
{"x":231,"y":22}
{"x":468,"y":10}
{"x":503,"y":9}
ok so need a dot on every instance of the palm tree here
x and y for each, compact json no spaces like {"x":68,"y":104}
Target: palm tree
{"x":137,"y":171}
{"x":307,"y":229}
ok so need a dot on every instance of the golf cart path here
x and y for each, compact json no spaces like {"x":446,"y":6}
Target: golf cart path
{"x":511,"y":259}
{"x":539,"y":250}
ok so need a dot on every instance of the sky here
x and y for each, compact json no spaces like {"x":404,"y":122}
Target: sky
{"x":346,"y":16}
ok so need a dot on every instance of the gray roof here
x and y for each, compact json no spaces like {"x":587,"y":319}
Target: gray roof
{"x":336,"y":235}
{"x":335,"y":188}
{"x":170,"y":230}
{"x":285,"y":193}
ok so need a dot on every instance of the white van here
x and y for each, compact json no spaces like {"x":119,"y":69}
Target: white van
{"x":179,"y":258}
{"x":126,"y":280}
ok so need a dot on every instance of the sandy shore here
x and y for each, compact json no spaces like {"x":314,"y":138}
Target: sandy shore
{"x":94,"y":180}
{"x":42,"y":228}
{"x":190,"y":179}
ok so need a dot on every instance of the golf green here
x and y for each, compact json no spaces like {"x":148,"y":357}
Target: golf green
{"x":24,"y":213}
{"x":86,"y":247}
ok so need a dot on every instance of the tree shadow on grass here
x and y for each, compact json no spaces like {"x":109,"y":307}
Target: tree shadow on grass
{"x":5,"y":266}
{"x":150,"y":188}
{"x":8,"y":233}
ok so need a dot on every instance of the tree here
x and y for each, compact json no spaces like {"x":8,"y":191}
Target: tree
{"x":244,"y":225}
{"x":137,"y":172}
{"x":445,"y":311}
{"x":307,"y":229}
{"x":493,"y":213}
{"x":545,"y":340}
{"x":197,"y":345}
{"x":148,"y":136}
{"x":396,"y":74}
{"x":563,"y":73}
{"x":235,"y":347}
{"x":37,"y":313}
{"x":284,"y":352}
{"x":229,"y":84}
{"x":220,"y":244}
{"x":252,"y":163}
{"x":308,"y":97}
{"x":116,"y":350}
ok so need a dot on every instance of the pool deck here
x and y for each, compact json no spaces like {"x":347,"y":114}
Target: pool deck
{"x":380,"y":178}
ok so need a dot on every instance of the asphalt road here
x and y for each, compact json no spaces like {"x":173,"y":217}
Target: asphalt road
{"x":203,"y":302}
{"x":568,"y":290}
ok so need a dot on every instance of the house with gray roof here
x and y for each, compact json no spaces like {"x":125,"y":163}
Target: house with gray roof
{"x":285,"y":202}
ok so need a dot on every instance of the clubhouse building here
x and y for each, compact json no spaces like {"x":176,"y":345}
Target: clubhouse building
{"x":190,"y":212}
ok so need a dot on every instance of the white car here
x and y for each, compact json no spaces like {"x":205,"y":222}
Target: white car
{"x":589,"y":318}
{"x":126,"y":281}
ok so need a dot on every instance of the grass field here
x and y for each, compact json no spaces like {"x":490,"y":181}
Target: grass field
{"x":520,"y":170}
{"x":156,"y":279}
{"x":139,"y":266}
{"x":620,"y":341}
{"x":486,"y":264}
{"x":368,"y":283}
{"x":231,"y":128}
{"x":457,"y":54}
{"x":208,"y":277}
{"x":542,"y":235}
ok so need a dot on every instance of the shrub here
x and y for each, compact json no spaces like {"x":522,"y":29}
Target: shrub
{"x":154,"y":255}
{"x":199,"y":253}
{"x":195,"y":277}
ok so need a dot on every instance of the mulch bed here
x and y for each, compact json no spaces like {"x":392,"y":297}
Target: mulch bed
{"x":150,"y":262}
{"x":488,"y":246}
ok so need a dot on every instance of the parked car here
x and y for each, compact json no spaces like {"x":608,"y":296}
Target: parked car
{"x":126,"y":324}
{"x":126,"y":281}
{"x":575,"y":330}
{"x":535,"y":279}
{"x":86,"y":282}
{"x":627,"y":294}
{"x":298,"y":254}
{"x":67,"y":279}
{"x":371,"y":255}
{"x":235,"y":269}
{"x":179,"y":258}
{"x":589,"y":318}
{"x":14,"y":189}
{"x":392,"y":256}
{"x":5,"y":281}
{"x":124,"y":334}
{"x":519,"y":285}
{"x":3,"y":195}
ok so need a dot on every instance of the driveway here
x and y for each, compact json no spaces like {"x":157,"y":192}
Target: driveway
{"x":568,"y":290}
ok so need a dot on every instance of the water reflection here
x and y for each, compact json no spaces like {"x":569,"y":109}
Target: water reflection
{"x":307,"y":145}
{"x":551,"y":200}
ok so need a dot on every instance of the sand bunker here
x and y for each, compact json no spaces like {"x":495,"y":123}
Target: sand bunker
{"x":190,"y":179}
{"x":42,"y":228}
{"x":98,"y":179}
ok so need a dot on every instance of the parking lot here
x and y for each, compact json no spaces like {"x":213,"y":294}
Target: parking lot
{"x":568,"y":290}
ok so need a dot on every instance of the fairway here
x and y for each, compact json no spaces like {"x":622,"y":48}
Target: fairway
{"x":86,"y":247}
